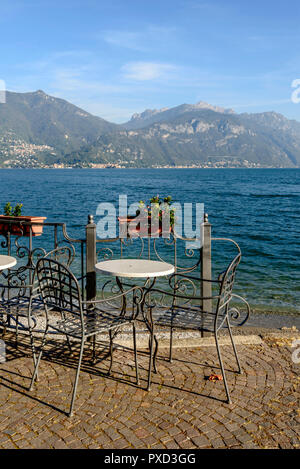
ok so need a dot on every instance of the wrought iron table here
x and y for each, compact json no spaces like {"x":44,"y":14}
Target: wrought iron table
{"x":138,"y":268}
{"x":6,"y":262}
{"x":135,"y":268}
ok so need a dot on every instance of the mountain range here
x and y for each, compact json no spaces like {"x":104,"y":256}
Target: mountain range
{"x":38,"y":130}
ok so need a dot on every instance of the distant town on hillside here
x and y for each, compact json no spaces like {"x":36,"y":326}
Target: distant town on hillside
{"x":41,"y":131}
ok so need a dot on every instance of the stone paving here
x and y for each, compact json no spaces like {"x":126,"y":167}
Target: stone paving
{"x":183,"y":409}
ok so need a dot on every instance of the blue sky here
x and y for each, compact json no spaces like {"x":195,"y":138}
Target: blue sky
{"x":117,"y":57}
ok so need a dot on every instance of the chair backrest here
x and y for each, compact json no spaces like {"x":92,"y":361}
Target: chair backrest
{"x":59,"y":287}
{"x":225,"y":293}
{"x":62,"y":254}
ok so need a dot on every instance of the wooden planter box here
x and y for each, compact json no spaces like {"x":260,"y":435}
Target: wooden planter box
{"x":19,"y":229}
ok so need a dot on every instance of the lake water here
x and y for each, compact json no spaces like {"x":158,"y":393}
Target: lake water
{"x":258,"y":208}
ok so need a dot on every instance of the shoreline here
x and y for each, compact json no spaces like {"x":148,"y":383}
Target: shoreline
{"x":272,"y":321}
{"x":269,"y":312}
{"x":162,"y":167}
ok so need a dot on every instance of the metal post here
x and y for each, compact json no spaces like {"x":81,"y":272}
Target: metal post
{"x":91,"y":259}
{"x":206,"y":287}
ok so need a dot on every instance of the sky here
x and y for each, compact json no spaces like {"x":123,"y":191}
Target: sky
{"x":117,"y":57}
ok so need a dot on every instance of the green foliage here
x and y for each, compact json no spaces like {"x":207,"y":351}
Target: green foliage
{"x":158,"y":208}
{"x":17,"y":210}
{"x":9,"y":211}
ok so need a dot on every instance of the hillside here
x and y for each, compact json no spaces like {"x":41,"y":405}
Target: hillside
{"x":201,"y":136}
{"x":38,"y":127}
{"x":38,"y":130}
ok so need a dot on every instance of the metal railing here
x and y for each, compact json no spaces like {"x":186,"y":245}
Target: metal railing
{"x":20,"y":241}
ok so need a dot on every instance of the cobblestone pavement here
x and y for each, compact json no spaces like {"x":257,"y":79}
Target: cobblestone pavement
{"x":183,"y":409}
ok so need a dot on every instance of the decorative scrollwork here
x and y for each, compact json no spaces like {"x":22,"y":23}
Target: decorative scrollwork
{"x":38,"y":253}
{"x":185,"y":286}
{"x":64,"y":254}
{"x":127,"y":242}
{"x":4,"y":244}
{"x":109,"y":289}
{"x":189,"y":252}
{"x":154,"y":299}
{"x":167,"y":242}
{"x":105,"y":254}
{"x":236,"y":316}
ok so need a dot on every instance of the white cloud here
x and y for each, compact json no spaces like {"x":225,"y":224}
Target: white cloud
{"x":144,"y":71}
{"x":127,"y":39}
{"x":151,"y":37}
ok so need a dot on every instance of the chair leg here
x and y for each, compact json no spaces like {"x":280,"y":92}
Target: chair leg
{"x":234,"y":348}
{"x":94,"y":349}
{"x":37,"y":362}
{"x":171,"y":344}
{"x":32,"y":344}
{"x":17,"y":328}
{"x":76,"y":378}
{"x":222,"y":368}
{"x":135,"y":354}
{"x":150,"y":359}
{"x":69,"y":344}
{"x":30,"y":330}
{"x":171,"y":340}
{"x":155,"y":354}
{"x":111,"y":350}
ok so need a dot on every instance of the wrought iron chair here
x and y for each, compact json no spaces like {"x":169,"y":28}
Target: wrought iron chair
{"x":21,"y":292}
{"x":78,"y":319}
{"x":186,"y":311}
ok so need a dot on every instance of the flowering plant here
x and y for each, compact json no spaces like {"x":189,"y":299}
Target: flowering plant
{"x":157,"y":209}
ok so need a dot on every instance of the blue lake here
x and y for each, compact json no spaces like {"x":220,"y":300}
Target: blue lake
{"x":259,"y":208}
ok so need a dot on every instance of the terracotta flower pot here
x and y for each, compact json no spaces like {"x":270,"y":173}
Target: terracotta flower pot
{"x":18,"y":229}
{"x":144,"y":231}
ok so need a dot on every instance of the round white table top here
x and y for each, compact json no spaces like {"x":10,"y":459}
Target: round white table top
{"x":135,"y":268}
{"x":7,"y":261}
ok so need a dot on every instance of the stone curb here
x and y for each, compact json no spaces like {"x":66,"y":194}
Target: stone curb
{"x":187,"y":339}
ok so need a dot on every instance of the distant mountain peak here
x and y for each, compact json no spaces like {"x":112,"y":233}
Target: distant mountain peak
{"x":151,"y":113}
{"x":147,"y":113}
{"x":204,"y":105}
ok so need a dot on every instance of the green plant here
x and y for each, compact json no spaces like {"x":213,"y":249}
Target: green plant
{"x":9,"y":211}
{"x":158,"y":208}
{"x":17,"y":210}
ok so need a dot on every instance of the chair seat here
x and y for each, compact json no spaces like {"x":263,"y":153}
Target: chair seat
{"x":185,"y":317}
{"x":101,"y":321}
{"x":16,"y":309}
